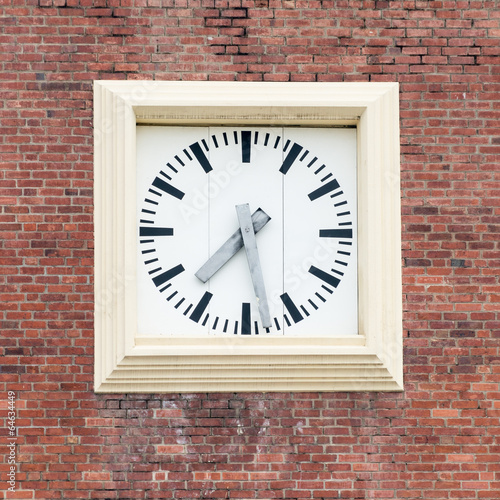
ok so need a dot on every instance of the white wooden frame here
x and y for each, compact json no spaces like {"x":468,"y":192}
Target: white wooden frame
{"x":371,"y":361}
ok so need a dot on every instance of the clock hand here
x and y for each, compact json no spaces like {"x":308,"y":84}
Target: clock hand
{"x":248,"y":235}
{"x":230,"y":247}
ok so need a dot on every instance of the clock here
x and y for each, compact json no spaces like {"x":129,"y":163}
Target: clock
{"x":246,"y":231}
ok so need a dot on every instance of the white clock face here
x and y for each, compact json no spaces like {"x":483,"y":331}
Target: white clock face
{"x":190,"y":179}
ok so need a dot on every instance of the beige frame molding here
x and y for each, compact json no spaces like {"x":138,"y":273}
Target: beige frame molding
{"x":371,"y":361}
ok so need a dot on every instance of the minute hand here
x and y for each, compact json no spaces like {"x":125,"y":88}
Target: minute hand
{"x":230,"y":248}
{"x":252,"y":252}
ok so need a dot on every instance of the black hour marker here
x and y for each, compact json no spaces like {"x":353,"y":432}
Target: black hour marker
{"x":322,"y":275}
{"x":246,"y":138}
{"x":335,"y":233}
{"x":246,"y":325}
{"x":200,"y":308}
{"x":168,"y":188}
{"x":327,"y":188}
{"x":292,"y":308}
{"x":290,"y":158}
{"x":200,"y":156}
{"x":168,"y":275}
{"x":156,"y":231}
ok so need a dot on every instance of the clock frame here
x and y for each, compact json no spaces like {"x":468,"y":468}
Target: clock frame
{"x":371,"y":360}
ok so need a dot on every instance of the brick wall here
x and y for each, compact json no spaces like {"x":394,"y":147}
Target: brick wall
{"x":437,"y":440}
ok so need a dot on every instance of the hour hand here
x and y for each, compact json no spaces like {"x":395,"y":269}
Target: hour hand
{"x":230,"y":247}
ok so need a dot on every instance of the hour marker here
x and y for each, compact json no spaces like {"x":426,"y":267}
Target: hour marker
{"x":335,"y":233}
{"x":168,"y":188}
{"x":156,"y":231}
{"x":322,"y":275}
{"x":246,"y":325}
{"x":168,"y":275}
{"x":246,"y":138}
{"x":290,"y":158}
{"x":200,"y":156}
{"x":200,"y":308}
{"x":325,"y":189}
{"x":292,"y":308}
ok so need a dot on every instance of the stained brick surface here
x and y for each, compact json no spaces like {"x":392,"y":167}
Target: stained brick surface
{"x":437,"y":440}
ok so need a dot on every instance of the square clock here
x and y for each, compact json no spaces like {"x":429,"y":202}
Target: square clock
{"x":247,"y":237}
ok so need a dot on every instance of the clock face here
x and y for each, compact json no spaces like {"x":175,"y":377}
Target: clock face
{"x":300,"y":187}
